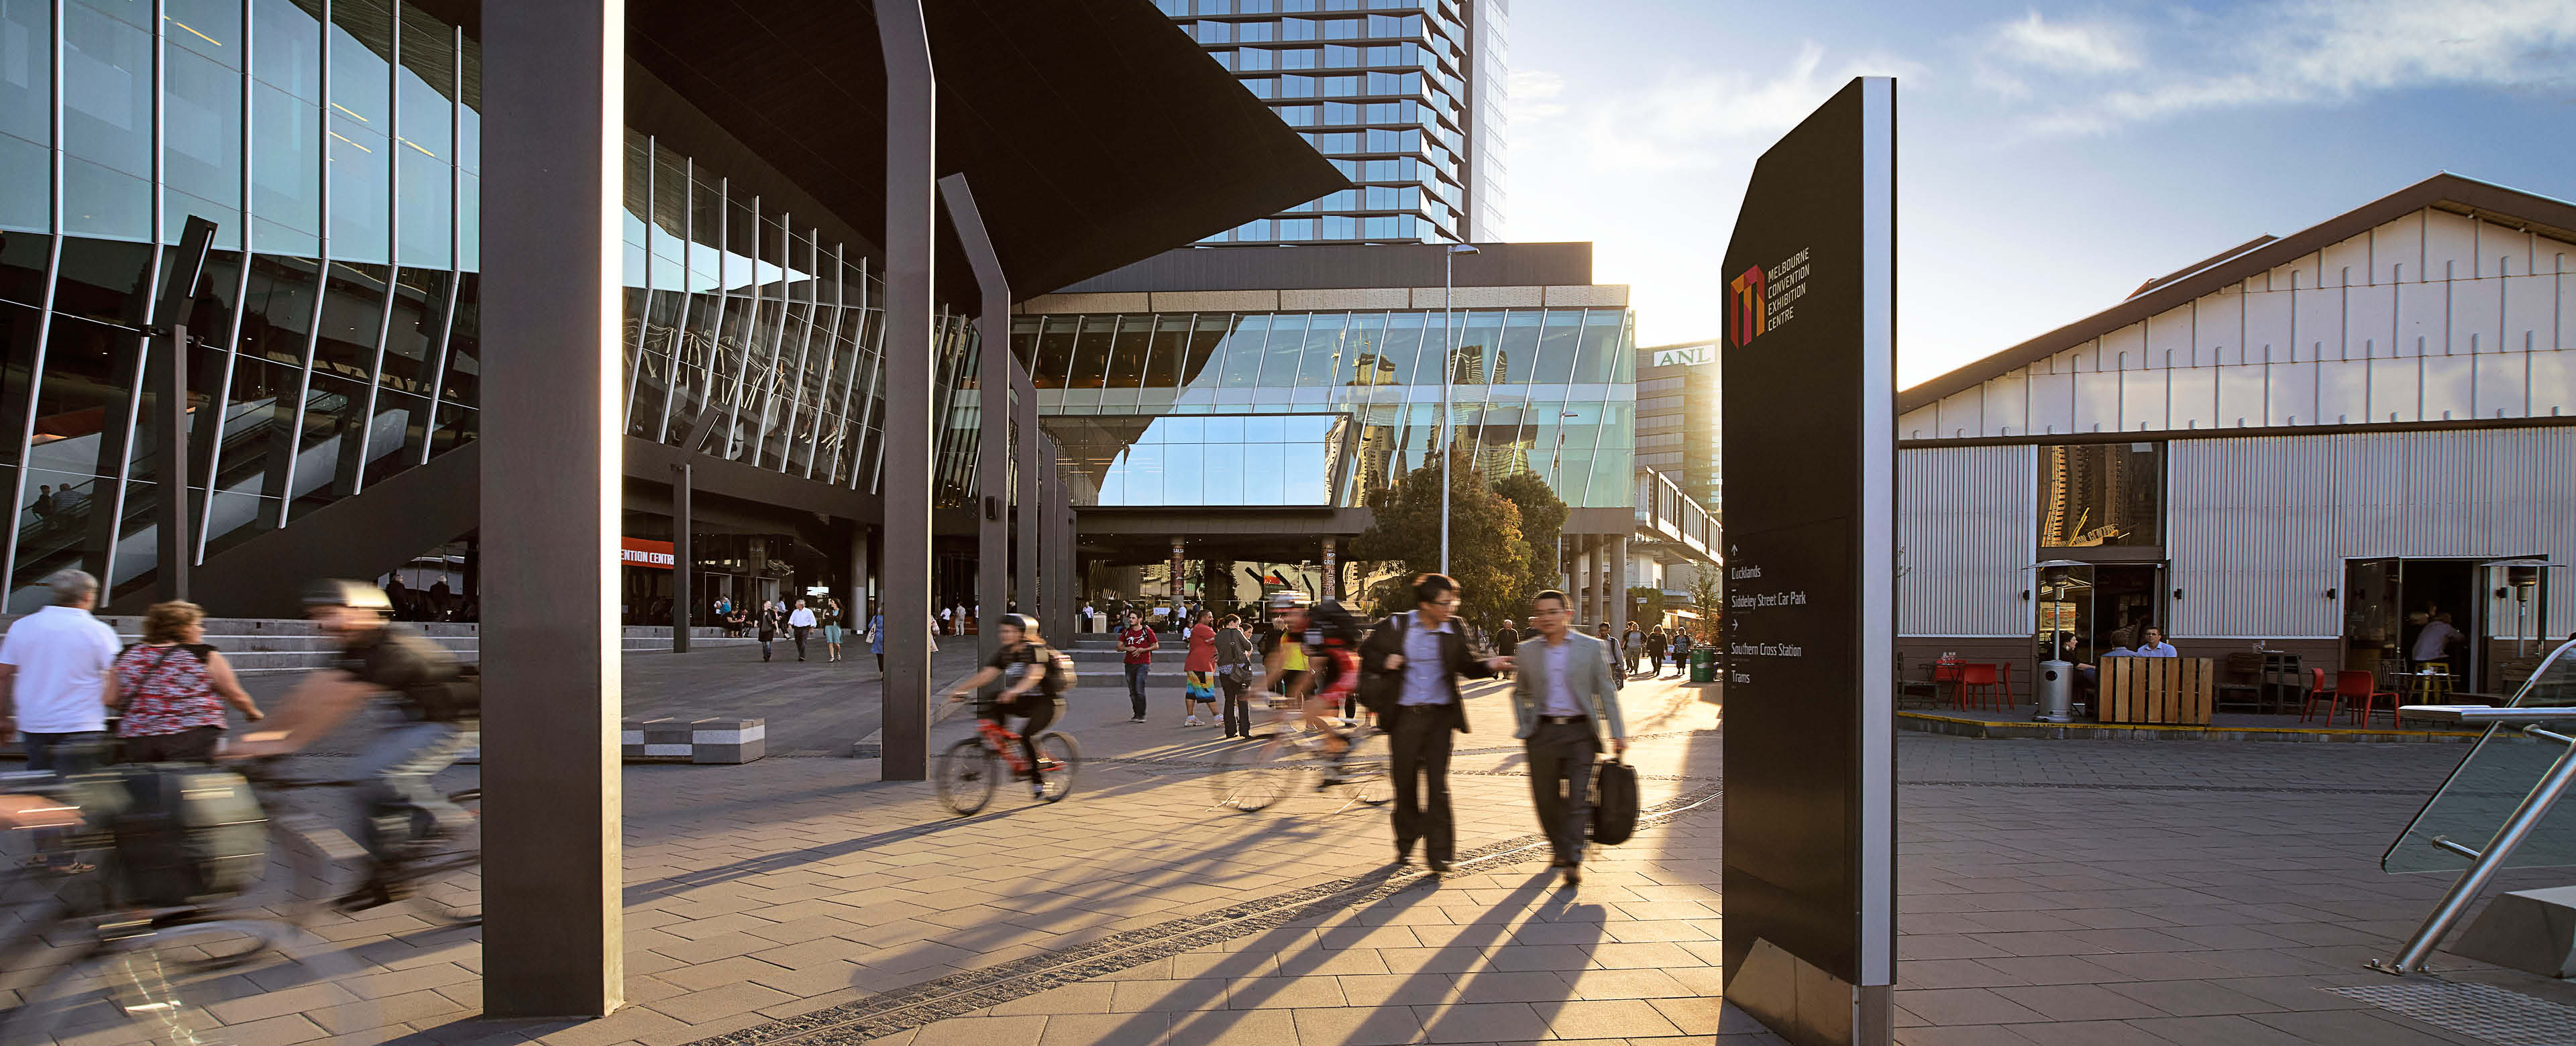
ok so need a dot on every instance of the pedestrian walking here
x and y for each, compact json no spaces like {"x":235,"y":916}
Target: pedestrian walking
{"x":173,"y":689}
{"x":1681,"y":652}
{"x":1137,"y":642}
{"x":800,"y":624}
{"x":1632,"y":645}
{"x":1420,"y":656}
{"x":1656,"y":643}
{"x":1198,"y":670}
{"x":1565,"y":700}
{"x":53,"y":671}
{"x":876,"y":638}
{"x":1235,"y":661}
{"x":1610,"y":650}
{"x":833,"y":616}
{"x":1506,"y":639}
{"x":947,"y":617}
{"x":768,"y":628}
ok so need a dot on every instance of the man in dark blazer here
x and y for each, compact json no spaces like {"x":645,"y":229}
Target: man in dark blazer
{"x":1420,"y":654}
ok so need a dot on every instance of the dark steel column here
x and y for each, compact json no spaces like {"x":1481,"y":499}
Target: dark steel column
{"x":170,"y":399}
{"x":553,"y":938}
{"x":993,"y":398}
{"x":911,"y":234}
{"x":683,"y":483}
{"x":1024,"y":416}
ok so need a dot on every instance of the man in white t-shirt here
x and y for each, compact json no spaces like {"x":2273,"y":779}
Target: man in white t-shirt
{"x":2434,"y":642}
{"x":53,"y":666}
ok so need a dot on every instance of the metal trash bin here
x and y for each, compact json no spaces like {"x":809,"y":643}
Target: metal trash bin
{"x":2055,"y":693}
{"x":1703,"y":665}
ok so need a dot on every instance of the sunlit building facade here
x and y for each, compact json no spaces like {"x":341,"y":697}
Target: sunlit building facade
{"x":1405,"y":96}
{"x":334,"y":336}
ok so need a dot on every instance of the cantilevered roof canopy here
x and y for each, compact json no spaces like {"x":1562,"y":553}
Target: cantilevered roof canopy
{"x":1093,"y":132}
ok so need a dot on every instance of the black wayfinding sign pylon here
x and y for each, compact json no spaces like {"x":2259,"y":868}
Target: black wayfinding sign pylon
{"x":1809,"y":386}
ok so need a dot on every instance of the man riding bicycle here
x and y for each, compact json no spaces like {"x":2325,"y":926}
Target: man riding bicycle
{"x":430,"y":711}
{"x":1326,"y":643}
{"x":1038,"y":676}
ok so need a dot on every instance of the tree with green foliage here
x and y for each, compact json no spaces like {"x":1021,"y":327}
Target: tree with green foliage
{"x":1649,"y":603}
{"x":1708,"y":593}
{"x":1487,"y":553}
{"x":1542,"y":519}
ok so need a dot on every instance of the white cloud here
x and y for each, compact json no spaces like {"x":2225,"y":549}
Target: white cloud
{"x":2286,"y":53}
{"x":2065,"y":46}
{"x":1533,"y":95}
{"x":1702,"y":119}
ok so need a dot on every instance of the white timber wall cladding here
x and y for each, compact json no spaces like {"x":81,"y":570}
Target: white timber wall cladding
{"x":1966,"y":531}
{"x":2432,"y":317}
{"x":2259,"y":528}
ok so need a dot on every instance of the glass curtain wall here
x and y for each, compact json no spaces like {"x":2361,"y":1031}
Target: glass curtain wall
{"x":1545,"y":391}
{"x":761,"y":335}
{"x":334,"y":341}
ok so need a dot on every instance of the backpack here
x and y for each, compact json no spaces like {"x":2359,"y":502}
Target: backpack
{"x":1330,"y":624}
{"x":181,"y":835}
{"x":1058,"y":667}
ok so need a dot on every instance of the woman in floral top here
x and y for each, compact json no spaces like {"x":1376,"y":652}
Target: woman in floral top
{"x":173,"y":688}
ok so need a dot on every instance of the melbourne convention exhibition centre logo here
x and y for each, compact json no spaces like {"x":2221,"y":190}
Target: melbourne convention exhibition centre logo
{"x":1764,"y":299}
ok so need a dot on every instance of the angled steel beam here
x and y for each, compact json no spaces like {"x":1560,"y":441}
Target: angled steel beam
{"x":912,"y":209}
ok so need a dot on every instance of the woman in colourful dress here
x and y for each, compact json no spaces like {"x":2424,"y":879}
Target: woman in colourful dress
{"x":173,"y":688}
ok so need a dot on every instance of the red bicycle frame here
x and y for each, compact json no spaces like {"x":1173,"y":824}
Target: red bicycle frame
{"x":1004,"y":742}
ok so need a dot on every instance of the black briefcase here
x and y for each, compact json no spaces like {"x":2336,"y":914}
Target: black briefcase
{"x":1614,"y":803}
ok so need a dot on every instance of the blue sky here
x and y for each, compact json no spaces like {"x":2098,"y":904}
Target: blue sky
{"x":2051,"y":157}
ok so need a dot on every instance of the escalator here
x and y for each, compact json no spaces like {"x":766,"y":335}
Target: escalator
{"x":245,"y":504}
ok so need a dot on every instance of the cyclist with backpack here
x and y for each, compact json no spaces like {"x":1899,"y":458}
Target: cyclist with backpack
{"x":1039,"y":677}
{"x":433,"y":709}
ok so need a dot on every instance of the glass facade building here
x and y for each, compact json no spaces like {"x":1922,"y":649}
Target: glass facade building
{"x":1405,"y":96}
{"x":334,"y":341}
{"x":1355,"y":398}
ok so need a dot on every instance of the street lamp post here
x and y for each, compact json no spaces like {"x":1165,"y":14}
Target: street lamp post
{"x":1448,"y":374}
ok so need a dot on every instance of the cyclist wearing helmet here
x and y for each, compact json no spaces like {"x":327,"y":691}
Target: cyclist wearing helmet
{"x":430,"y":721}
{"x":1038,"y":676}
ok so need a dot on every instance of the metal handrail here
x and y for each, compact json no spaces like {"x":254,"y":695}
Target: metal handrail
{"x":2484,"y":864}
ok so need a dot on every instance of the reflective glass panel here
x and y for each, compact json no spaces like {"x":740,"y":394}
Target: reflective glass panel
{"x":1091,"y":353}
{"x":1396,"y":354}
{"x":1323,"y":349}
{"x":1201,"y":366}
{"x":1478,"y":343}
{"x":1557,"y":344}
{"x":1244,"y":350}
{"x":1516,"y":357}
{"x":286,"y":49}
{"x":107,"y":91}
{"x":2101,"y":494}
{"x":1287,"y":349}
{"x":201,"y":140}
{"x":1363,"y":358}
{"x":26,"y":74}
{"x":1596,"y":361}
{"x":286,"y":168}
{"x":1127,"y":353}
{"x":1171,"y":343}
{"x":361,"y":190}
{"x":1055,"y":351}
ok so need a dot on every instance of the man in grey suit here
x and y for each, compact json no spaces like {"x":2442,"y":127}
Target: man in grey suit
{"x":1565,"y":701}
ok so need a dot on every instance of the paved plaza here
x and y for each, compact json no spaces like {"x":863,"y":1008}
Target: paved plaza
{"x":2053,"y":892}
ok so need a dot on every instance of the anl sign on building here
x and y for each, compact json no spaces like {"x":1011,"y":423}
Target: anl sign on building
{"x":1686,"y":355}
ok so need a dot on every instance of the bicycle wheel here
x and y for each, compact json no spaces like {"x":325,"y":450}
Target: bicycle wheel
{"x":447,"y":882}
{"x":1059,"y":757}
{"x":1365,"y":776}
{"x":144,"y":983}
{"x":1256,"y":776}
{"x":305,"y":854}
{"x":968,"y":773}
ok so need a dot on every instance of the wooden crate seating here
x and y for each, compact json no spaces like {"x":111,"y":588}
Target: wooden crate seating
{"x":2157,"y":690}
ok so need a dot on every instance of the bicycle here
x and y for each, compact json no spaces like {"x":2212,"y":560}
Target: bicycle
{"x":972,"y":768}
{"x":429,"y":872}
{"x":1297,"y":758}
{"x":140,"y":961}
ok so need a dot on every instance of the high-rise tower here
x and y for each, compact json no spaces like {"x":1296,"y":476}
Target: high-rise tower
{"x":1405,"y":96}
